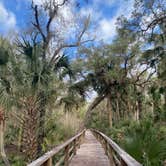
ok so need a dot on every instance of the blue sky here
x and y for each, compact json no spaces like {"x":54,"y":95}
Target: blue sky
{"x":14,"y":15}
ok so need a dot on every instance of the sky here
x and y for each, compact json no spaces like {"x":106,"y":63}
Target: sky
{"x":14,"y":15}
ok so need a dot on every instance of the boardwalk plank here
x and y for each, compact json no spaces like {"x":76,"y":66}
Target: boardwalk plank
{"x":90,"y":153}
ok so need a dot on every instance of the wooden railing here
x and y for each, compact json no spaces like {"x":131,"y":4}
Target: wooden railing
{"x":116,"y":155}
{"x":65,"y":152}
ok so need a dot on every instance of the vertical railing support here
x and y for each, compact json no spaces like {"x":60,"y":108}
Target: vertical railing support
{"x":75,"y":147}
{"x":106,"y":147}
{"x":81,"y":139}
{"x":111,"y":155}
{"x":122,"y":163}
{"x":66,"y":159}
{"x":78,"y":143}
{"x":48,"y":162}
{"x":83,"y":136}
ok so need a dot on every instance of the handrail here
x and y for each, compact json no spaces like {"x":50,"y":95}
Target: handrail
{"x":114,"y":152}
{"x":69,"y":146}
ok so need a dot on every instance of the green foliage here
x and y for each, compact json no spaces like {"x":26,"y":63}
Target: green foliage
{"x":4,"y":51}
{"x":97,"y":122}
{"x":4,"y":56}
{"x":60,"y":127}
{"x":11,"y":134}
{"x":113,"y":71}
{"x":142,"y":141}
{"x":15,"y":160}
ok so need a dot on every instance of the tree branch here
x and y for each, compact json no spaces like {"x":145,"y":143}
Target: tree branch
{"x":37,"y":23}
{"x":52,"y":14}
{"x":140,"y":74}
{"x":153,"y":23}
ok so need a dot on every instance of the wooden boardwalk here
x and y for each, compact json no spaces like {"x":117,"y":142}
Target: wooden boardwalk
{"x":91,"y":153}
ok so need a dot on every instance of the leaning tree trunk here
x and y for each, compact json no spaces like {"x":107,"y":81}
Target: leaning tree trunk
{"x":2,"y":149}
{"x":93,"y":105}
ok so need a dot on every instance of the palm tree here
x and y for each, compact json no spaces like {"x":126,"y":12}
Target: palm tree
{"x":41,"y":84}
{"x":45,"y":36}
{"x":5,"y":90}
{"x":20,"y":86}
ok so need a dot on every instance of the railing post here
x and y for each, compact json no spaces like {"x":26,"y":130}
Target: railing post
{"x":75,"y":147}
{"x":122,"y":163}
{"x":83,"y":134}
{"x":111,"y":155}
{"x":106,"y":148}
{"x":103,"y":141}
{"x":66,"y":159}
{"x":80,"y":141}
{"x":48,"y":162}
{"x":96,"y":135}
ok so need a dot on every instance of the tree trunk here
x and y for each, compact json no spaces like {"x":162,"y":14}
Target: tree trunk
{"x":165,"y":99}
{"x":29,"y":133}
{"x":139,"y":102}
{"x":95,"y":102}
{"x":109,"y":109}
{"x":137,"y":111}
{"x":129,"y":108}
{"x":2,"y":149}
{"x":117,"y":110}
{"x":20,"y":135}
{"x":41,"y":131}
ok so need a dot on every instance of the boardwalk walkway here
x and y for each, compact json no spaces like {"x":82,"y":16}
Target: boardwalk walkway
{"x":90,"y":153}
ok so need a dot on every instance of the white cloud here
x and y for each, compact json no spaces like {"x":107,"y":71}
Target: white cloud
{"x":106,"y":2}
{"x":95,"y":14}
{"x":39,"y":2}
{"x":64,"y":25}
{"x":7,"y":19}
{"x":106,"y":27}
